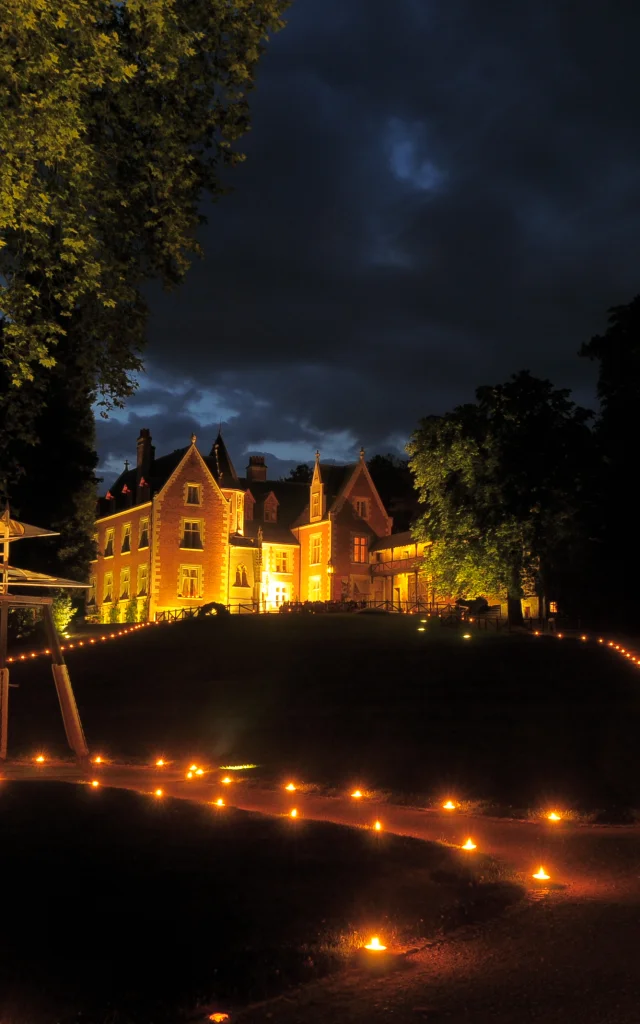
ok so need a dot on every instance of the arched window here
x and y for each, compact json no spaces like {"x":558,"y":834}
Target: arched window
{"x":241,"y":576}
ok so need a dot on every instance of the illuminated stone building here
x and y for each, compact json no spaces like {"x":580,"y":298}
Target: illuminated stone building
{"x":185,"y":530}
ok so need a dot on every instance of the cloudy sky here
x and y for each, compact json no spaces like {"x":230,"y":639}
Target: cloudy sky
{"x":436,"y":194}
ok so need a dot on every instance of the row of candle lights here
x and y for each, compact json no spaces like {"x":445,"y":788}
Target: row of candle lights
{"x":83,"y":643}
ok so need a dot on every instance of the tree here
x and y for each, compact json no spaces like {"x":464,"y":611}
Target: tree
{"x":616,"y":570}
{"x":115,"y":119}
{"x":302,"y":474}
{"x":503,"y":482}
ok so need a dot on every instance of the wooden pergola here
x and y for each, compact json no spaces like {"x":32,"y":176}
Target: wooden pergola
{"x":13,"y":530}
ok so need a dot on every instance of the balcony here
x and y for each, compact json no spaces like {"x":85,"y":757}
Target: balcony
{"x":396,"y":566}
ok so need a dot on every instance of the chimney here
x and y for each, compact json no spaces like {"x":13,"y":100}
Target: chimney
{"x":256,"y":470}
{"x":143,"y":466}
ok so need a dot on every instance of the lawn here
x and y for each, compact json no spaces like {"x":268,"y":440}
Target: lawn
{"x":122,"y":908}
{"x":342,"y":700}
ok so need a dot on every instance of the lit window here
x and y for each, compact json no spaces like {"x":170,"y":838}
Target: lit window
{"x":91,"y":596}
{"x":315,"y":591}
{"x":361,"y":507}
{"x":143,"y":580}
{"x":125,"y":584}
{"x":360,"y":549}
{"x":191,"y":535}
{"x":193,"y":494}
{"x":144,"y":534}
{"x":315,"y":505}
{"x":108,"y":544}
{"x":379,"y":556}
{"x":241,"y":576}
{"x":126,"y":538}
{"x":315,"y":549}
{"x":282,"y":561}
{"x":108,"y":586}
{"x":190,"y":581}
{"x":553,"y":607}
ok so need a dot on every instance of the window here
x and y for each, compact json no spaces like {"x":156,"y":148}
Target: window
{"x":282,"y":561}
{"x":360,"y":549}
{"x":378,"y":556}
{"x":315,"y":592}
{"x":125,"y":584}
{"x":108,"y":544}
{"x":193,"y":494}
{"x":270,"y":515}
{"x":315,"y":549}
{"x":144,"y":534}
{"x":191,"y":535}
{"x":361,"y":508}
{"x":143,"y":580}
{"x":126,"y":538}
{"x":241,"y":576}
{"x":190,"y":581}
{"x":553,"y":607}
{"x":315,"y":505}
{"x":108,"y":586}
{"x":91,"y":596}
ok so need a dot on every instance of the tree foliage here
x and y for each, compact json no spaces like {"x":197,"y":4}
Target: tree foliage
{"x":394,"y":483}
{"x":302,"y":474}
{"x":503,"y":481}
{"x":116,"y":116}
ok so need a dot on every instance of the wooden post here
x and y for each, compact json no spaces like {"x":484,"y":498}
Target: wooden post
{"x":4,"y":680}
{"x":68,"y":706}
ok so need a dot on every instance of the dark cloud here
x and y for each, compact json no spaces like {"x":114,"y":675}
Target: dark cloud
{"x":435,"y":196}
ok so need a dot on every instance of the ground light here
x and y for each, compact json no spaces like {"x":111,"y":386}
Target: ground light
{"x":421,"y":629}
{"x":160,"y":763}
{"x":553,"y":816}
{"x":378,"y":826}
{"x":219,"y":1017}
{"x":291,"y":787}
{"x":449,"y":806}
{"x":193,"y":767}
{"x":469,"y":845}
{"x":466,"y":636}
{"x":199,"y":771}
{"x":97,"y":760}
{"x":226,"y":780}
{"x":375,"y":945}
{"x":158,"y":792}
{"x":95,"y":783}
{"x":356,"y":794}
{"x":189,"y":775}
{"x":541,"y":875}
{"x":220,"y":802}
{"x":39,"y":759}
{"x":293,"y":813}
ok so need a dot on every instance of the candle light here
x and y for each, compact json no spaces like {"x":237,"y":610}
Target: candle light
{"x":541,"y":875}
{"x":469,"y":845}
{"x":158,"y":792}
{"x":290,"y":787}
{"x":375,"y":945}
{"x":356,"y":794}
{"x":378,"y":826}
{"x":293,"y":813}
{"x":449,"y":806}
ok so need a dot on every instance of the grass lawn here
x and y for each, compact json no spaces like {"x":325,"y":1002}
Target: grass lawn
{"x":340,"y":700}
{"x":121,"y":908}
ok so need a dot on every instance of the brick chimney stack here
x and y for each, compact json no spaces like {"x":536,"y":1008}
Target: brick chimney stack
{"x":143,"y":466}
{"x":256,"y":470}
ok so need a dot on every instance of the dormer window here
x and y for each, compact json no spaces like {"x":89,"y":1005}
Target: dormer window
{"x":315,"y":505}
{"x":270,"y":510}
{"x":269,"y":514}
{"x":194,"y":494}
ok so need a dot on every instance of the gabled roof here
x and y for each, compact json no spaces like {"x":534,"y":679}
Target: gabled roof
{"x":161,"y":470}
{"x":334,"y":479}
{"x":220,"y":464}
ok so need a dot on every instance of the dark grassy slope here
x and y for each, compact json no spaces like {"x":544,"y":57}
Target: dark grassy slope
{"x":127,"y":908}
{"x":343,"y":699}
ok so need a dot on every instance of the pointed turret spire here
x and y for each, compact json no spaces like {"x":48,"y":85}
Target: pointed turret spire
{"x":224,"y":470}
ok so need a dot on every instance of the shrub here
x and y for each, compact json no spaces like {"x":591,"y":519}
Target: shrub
{"x":62,"y":610}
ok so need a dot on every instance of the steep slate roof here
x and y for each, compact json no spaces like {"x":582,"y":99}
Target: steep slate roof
{"x":272,"y":533}
{"x":292,"y":498}
{"x":161,"y":470}
{"x":334,"y":479}
{"x":394,"y":540}
{"x":219,"y":462}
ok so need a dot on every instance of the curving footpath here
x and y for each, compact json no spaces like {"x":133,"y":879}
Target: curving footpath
{"x":567,"y":953}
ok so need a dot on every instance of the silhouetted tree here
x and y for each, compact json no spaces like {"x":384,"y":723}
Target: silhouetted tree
{"x":302,"y":474}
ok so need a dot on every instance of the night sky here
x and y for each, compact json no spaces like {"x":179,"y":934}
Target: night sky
{"x":435,"y":196}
